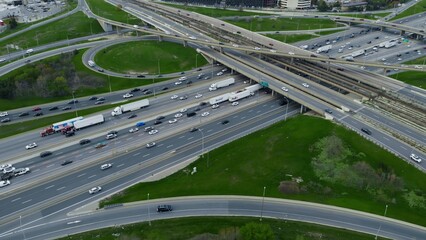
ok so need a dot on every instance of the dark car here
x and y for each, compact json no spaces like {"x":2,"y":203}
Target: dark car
{"x":199,"y":69}
{"x":101,"y":99}
{"x":93,"y":98}
{"x":328,"y":111}
{"x":164,"y":208}
{"x":113,"y":132}
{"x":194,"y":129}
{"x":99,"y":102}
{"x":45,"y":154}
{"x":100,"y":70}
{"x":365,"y":130}
{"x":160,"y":117}
{"x":376,"y":37}
{"x":23,"y":114}
{"x":35,"y":109}
{"x":141,"y":76}
{"x":135,"y":90}
{"x":73,"y":101}
{"x":190,"y":114}
{"x":69,"y":134}
{"x":5,"y":120}
{"x":189,"y":82}
{"x":7,"y":176}
{"x":225,"y":122}
{"x":66,"y":108}
{"x":53,"y":108}
{"x":132,"y":116}
{"x":84,"y":141}
{"x":197,"y":109}
{"x":164,"y":88}
{"x":38,"y":114}
{"x":66,"y":162}
{"x":182,"y":72}
{"x":203,"y":103}
{"x":147,"y":92}
{"x":157,"y":122}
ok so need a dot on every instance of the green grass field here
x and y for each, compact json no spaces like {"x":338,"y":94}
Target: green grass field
{"x":218,"y":228}
{"x":417,"y":8}
{"x":413,"y":78}
{"x":284,"y":24}
{"x":214,"y":12}
{"x":149,"y":57}
{"x":266,"y":157}
{"x":74,"y":26}
{"x":365,"y":16}
{"x":291,"y":38}
{"x":115,"y":13}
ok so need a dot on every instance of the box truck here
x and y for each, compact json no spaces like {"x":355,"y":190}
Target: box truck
{"x":90,"y":121}
{"x":235,"y":96}
{"x":221,"y":84}
{"x":130,"y":107}
{"x":325,"y":48}
{"x":219,"y":99}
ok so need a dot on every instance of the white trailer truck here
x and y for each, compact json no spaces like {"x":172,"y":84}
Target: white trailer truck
{"x":358,"y":53}
{"x":235,"y":96}
{"x":253,"y":88}
{"x":90,"y":121}
{"x":130,"y":107}
{"x":390,"y":44}
{"x":67,"y":123}
{"x":219,"y":99}
{"x":325,"y":48}
{"x":221,"y":84}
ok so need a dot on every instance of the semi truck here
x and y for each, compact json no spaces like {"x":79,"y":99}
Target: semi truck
{"x":90,"y":121}
{"x":235,"y":96}
{"x":219,"y":99}
{"x":253,"y":88}
{"x":390,"y":44}
{"x":59,"y":126}
{"x":130,"y":107}
{"x":358,"y":53}
{"x":91,"y":63}
{"x":325,"y":48}
{"x":221,"y":84}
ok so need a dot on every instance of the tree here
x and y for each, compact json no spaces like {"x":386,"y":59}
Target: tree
{"x":322,"y":6}
{"x":256,"y":231}
{"x":12,"y":22}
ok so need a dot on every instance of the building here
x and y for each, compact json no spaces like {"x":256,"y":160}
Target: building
{"x":295,"y":4}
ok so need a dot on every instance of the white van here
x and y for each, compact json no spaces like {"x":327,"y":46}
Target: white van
{"x":29,"y":51}
{"x":91,"y":63}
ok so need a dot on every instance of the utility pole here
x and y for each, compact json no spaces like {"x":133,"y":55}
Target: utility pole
{"x":263,"y":200}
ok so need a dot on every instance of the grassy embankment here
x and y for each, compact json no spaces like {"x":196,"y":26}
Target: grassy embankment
{"x":411,"y":77}
{"x":268,"y":157}
{"x":73,"y":26}
{"x":417,"y":8}
{"x":115,"y":13}
{"x":218,"y":228}
{"x":215,"y":12}
{"x":298,"y":37}
{"x":149,"y":57}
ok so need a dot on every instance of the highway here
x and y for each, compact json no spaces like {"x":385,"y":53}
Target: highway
{"x":131,"y":166}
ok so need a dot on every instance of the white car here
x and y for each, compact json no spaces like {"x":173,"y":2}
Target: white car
{"x":192,"y":37}
{"x":3,"y":114}
{"x":235,"y":103}
{"x":256,"y":48}
{"x":219,"y":74}
{"x":198,"y":95}
{"x":150,"y":145}
{"x":127,"y":95}
{"x":418,"y":67}
{"x":31,"y":145}
{"x":106,"y":166}
{"x":291,"y":53}
{"x":205,"y":114}
{"x":132,"y":130}
{"x":4,"y":183}
{"x":152,"y":132}
{"x":173,"y":120}
{"x":111,"y":136}
{"x":95,"y":190}
{"x":174,"y":97}
{"x":2,"y":60}
{"x":183,"y":97}
{"x":182,"y":78}
{"x":215,"y":106}
{"x":178,"y":115}
{"x":21,"y":171}
{"x":5,"y":166}
{"x":273,"y":50}
{"x":284,"y":89}
{"x":305,"y":85}
{"x":178,"y":83}
{"x":183,"y":110}
{"x":383,"y":59}
{"x":415,"y":158}
{"x":8,"y":169}
{"x":224,"y":70}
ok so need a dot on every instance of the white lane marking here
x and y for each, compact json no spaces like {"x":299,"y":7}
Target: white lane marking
{"x":77,"y":221}
{"x":258,"y":111}
{"x":59,"y":153}
{"x":140,"y":134}
{"x":159,"y":145}
{"x":79,"y":155}
{"x":51,"y":165}
{"x":386,"y":138}
{"x":16,"y":199}
{"x":146,"y":155}
{"x":120,"y":165}
{"x":169,"y":146}
{"x":51,"y":186}
{"x":403,"y":147}
{"x":81,"y":175}
{"x":117,"y":142}
{"x":242,"y":117}
{"x":91,"y":176}
{"x":27,"y":201}
{"x":130,"y":138}
{"x":38,"y":169}
{"x":235,"y":116}
{"x":60,"y":188}
{"x":250,"y":111}
{"x":60,"y":157}
{"x":182,"y":136}
{"x":209,"y":130}
{"x":190,"y":138}
{"x":409,"y":131}
{"x":92,"y":151}
{"x":134,"y":155}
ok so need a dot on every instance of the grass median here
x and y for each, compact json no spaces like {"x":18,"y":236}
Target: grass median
{"x":283,"y":158}
{"x":149,"y":57}
{"x":215,"y":12}
{"x":219,"y":228}
{"x":417,"y":8}
{"x":298,"y":37}
{"x":412,"y":77}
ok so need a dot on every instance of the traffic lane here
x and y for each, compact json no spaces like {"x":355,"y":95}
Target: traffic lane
{"x":227,"y":206}
{"x":186,"y":153}
{"x":158,"y":102}
{"x":77,"y":179}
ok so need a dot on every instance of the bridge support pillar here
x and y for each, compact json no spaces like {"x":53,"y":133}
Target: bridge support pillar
{"x":402,"y":32}
{"x":291,"y":60}
{"x":160,"y":38}
{"x":105,"y":26}
{"x":382,"y":28}
{"x":221,"y":49}
{"x":328,"y":66}
{"x":185,"y":43}
{"x":302,"y":109}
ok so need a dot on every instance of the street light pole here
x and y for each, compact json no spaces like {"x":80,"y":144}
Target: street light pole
{"x":73,"y":100}
{"x":286,"y":109}
{"x":149,"y":214}
{"x":196,"y":60}
{"x":109,"y":82}
{"x":159,"y":72}
{"x":263,"y":200}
